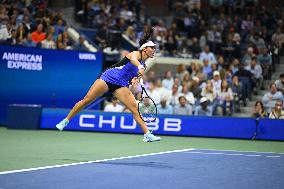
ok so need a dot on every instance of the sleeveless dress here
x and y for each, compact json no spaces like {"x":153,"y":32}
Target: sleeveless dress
{"x":121,"y":73}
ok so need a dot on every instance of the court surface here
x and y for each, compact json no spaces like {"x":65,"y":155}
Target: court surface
{"x":50,"y":159}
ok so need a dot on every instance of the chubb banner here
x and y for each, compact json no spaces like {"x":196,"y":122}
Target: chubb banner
{"x":52,"y":78}
{"x":165,"y":124}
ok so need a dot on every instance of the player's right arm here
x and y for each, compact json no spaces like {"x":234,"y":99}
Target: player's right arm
{"x":135,"y":56}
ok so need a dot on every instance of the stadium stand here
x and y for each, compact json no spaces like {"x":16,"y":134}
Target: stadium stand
{"x":226,"y":39}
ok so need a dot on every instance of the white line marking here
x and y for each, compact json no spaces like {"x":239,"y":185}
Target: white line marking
{"x":228,"y":154}
{"x":215,"y":153}
{"x":253,"y":155}
{"x":96,"y":161}
{"x":273,"y":156}
{"x":210,"y":153}
{"x":194,"y":152}
{"x":240,"y":151}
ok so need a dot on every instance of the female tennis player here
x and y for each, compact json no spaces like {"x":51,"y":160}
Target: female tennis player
{"x":116,"y":80}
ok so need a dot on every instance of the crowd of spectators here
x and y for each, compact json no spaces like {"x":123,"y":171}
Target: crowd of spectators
{"x":31,"y":23}
{"x":237,"y":42}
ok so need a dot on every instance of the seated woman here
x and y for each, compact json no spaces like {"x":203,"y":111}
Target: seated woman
{"x":259,"y":111}
{"x":277,"y":112}
{"x":226,"y":98}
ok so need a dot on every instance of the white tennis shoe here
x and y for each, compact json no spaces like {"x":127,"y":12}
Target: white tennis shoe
{"x":60,"y":126}
{"x":149,"y":137}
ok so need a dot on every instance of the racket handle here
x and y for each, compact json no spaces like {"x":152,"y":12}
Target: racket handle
{"x":141,"y":82}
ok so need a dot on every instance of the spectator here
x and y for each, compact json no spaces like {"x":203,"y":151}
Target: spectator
{"x":101,"y":37}
{"x":160,"y":91}
{"x":168,"y":80}
{"x":226,"y":98}
{"x":194,"y":87}
{"x":209,"y":92}
{"x":147,"y":107}
{"x":29,"y":42}
{"x":27,"y":23}
{"x":203,"y":108}
{"x":164,"y":107}
{"x":256,"y":71}
{"x":235,"y":65}
{"x":259,"y":111}
{"x":114,"y":106}
{"x":278,"y":40}
{"x":59,"y":27}
{"x":265,"y":60}
{"x":216,"y":82}
{"x":38,"y":35}
{"x":48,"y":43}
{"x":187,"y":94}
{"x":13,"y":39}
{"x":269,"y":99}
{"x":181,"y":71}
{"x":21,"y":33}
{"x":130,"y":33}
{"x":238,"y":93}
{"x":4,"y":34}
{"x":277,"y":112}
{"x":174,"y":95}
{"x":280,"y":83}
{"x":80,"y":46}
{"x":183,"y":108}
{"x":207,"y":55}
{"x":245,"y":77}
{"x":206,"y":67}
{"x":195,"y":48}
{"x":248,"y":56}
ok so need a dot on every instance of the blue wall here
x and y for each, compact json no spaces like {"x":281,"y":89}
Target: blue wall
{"x":52,"y":78}
{"x":225,"y":127}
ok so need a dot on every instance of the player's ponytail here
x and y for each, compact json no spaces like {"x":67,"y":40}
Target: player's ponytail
{"x":146,"y":36}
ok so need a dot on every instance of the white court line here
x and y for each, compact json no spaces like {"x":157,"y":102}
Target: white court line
{"x":210,"y":153}
{"x":241,"y":151}
{"x":227,"y":153}
{"x":215,"y":153}
{"x":273,"y":156}
{"x":96,"y":161}
{"x":253,"y":155}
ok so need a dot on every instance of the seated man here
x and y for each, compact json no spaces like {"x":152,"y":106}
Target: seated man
{"x":269,"y":99}
{"x":277,"y":112}
{"x":203,"y":108}
{"x":183,"y":108}
{"x":164,"y":108}
{"x":114,"y":106}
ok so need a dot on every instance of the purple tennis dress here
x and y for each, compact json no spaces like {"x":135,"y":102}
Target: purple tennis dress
{"x":121,"y":73}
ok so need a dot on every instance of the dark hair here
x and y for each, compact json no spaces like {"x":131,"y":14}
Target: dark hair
{"x":146,"y":36}
{"x":261,"y":104}
{"x":281,"y":75}
{"x":254,"y":58}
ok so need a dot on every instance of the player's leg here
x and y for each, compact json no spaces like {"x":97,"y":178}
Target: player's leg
{"x":125,"y":96}
{"x":97,"y":89}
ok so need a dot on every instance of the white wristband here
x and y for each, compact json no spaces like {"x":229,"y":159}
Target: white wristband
{"x":140,"y":67}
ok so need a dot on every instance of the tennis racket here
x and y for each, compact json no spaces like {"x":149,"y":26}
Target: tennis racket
{"x":146,"y":107}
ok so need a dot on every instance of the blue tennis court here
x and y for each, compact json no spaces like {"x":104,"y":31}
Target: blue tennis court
{"x":188,"y":168}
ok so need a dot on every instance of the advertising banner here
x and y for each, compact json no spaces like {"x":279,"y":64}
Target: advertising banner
{"x":165,"y":124}
{"x":52,"y":78}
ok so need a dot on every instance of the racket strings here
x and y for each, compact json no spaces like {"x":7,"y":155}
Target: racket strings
{"x":147,"y":109}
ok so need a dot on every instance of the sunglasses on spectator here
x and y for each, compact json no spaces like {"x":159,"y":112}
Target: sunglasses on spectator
{"x":278,"y":105}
